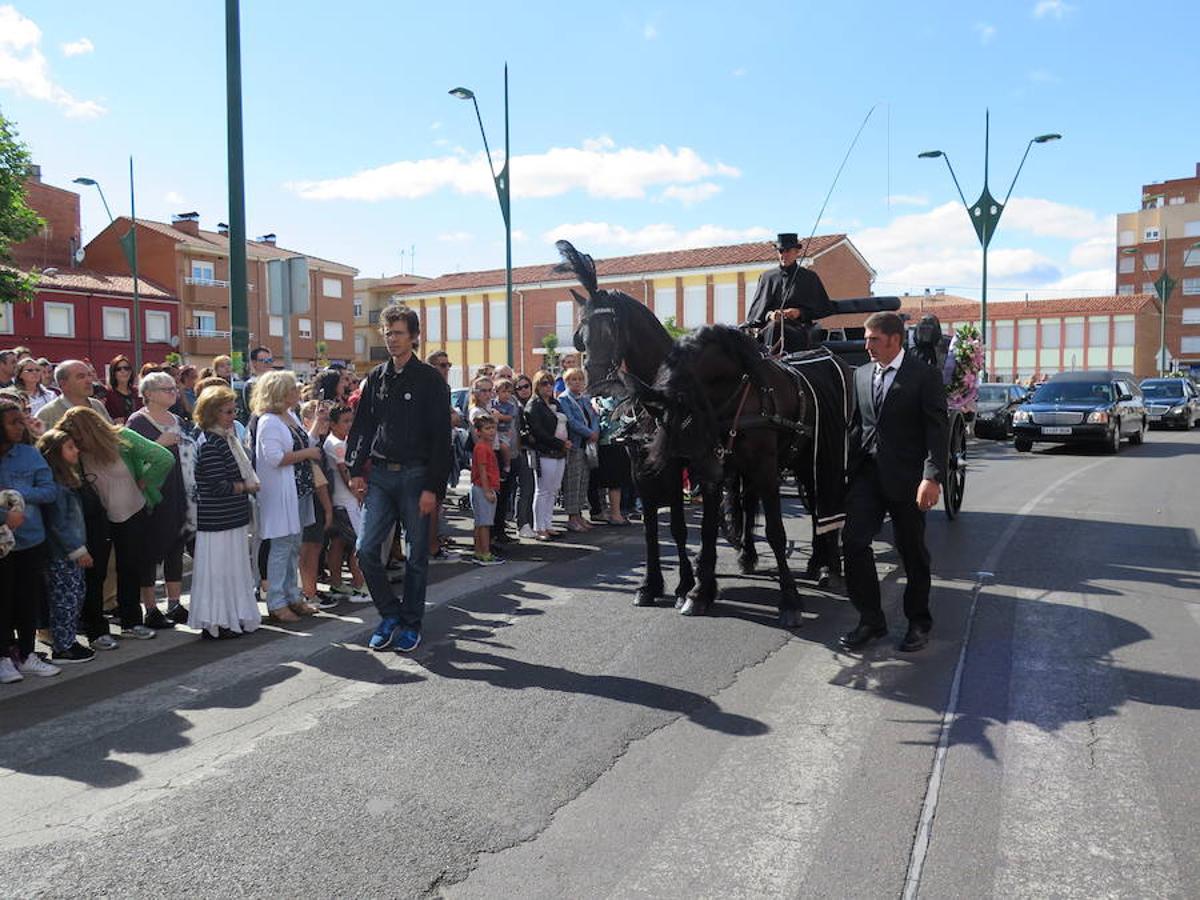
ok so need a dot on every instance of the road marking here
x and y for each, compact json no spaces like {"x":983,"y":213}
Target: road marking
{"x":920,"y":848}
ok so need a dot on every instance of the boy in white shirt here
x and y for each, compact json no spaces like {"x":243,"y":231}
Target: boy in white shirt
{"x":347,"y":511}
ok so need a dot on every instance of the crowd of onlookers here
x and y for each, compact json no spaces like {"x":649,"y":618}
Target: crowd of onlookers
{"x":106,"y":485}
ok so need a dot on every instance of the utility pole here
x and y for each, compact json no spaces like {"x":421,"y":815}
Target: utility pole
{"x":238,"y":309}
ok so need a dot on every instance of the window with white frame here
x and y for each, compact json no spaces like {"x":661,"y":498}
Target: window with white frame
{"x":331,"y":331}
{"x":1189,"y":345}
{"x":304,"y":327}
{"x":115,"y":324}
{"x":695,"y":306}
{"x":1123,"y":330}
{"x":456,"y":377}
{"x":6,"y":318}
{"x":1191,"y":229}
{"x":1150,"y":234}
{"x":1097,"y":331}
{"x":1124,"y":289}
{"x":1149,"y":262}
{"x":1191,"y":286}
{"x":360,"y":345}
{"x":1073,"y":334}
{"x":158,"y":326}
{"x":1176,"y":201}
{"x":1148,"y":288}
{"x":206,"y":322}
{"x":453,"y":320}
{"x":202,"y":272}
{"x":331,"y":287}
{"x":475,"y":322}
{"x":498,"y":319}
{"x":1126,"y":238}
{"x":1191,"y":256}
{"x":1191,"y":316}
{"x":359,"y":302}
{"x":1126,"y":265}
{"x":1027,"y":334}
{"x":564,"y":322}
{"x":1003,"y":335}
{"x":433,"y":321}
{"x":725,"y":303}
{"x":59,"y":319}
{"x":664,"y":303}
{"x":1051,"y":334}
{"x":275,"y":326}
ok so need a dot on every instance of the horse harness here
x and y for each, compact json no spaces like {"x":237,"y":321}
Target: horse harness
{"x":766,"y":417}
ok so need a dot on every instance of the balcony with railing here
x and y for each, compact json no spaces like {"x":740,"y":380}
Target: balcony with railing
{"x":208,"y":333}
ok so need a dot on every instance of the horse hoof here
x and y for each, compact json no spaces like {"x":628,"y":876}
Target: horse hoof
{"x":747,"y":564}
{"x":823,"y":577}
{"x":644,"y":598}
{"x":689,"y":607}
{"x":790,"y":618}
{"x":680,"y":600}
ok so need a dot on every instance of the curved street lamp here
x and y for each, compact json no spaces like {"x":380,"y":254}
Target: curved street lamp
{"x":501,"y":182}
{"x":986,"y":211}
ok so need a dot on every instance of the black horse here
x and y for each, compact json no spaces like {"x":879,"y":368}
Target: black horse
{"x":732,"y":410}
{"x":625,"y":343}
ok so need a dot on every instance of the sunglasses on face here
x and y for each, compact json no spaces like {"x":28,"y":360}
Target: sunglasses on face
{"x":444,"y":365}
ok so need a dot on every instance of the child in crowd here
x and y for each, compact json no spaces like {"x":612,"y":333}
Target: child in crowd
{"x":23,"y":470}
{"x":66,"y":545}
{"x":485,"y":479}
{"x":347,"y":511}
{"x":504,"y":411}
{"x":314,"y":415}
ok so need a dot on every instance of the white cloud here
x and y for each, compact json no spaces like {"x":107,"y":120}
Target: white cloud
{"x":649,"y":32}
{"x":456,"y":237}
{"x":434,"y":126}
{"x":77,"y":48}
{"x":1051,"y":8}
{"x":691,"y":193}
{"x":649,"y":238}
{"x":739,"y":73}
{"x":907,"y":200}
{"x":519,"y":236}
{"x":986,"y":32}
{"x":173,"y":197}
{"x":1046,"y":218}
{"x":24,"y":69}
{"x":598,"y":167}
{"x":1095,"y":253}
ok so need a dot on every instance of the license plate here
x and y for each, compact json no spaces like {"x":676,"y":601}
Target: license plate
{"x":1154,"y":418}
{"x":1056,"y":429}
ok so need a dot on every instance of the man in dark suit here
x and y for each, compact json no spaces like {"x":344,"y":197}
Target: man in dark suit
{"x":898,"y":445}
{"x":788,"y":299}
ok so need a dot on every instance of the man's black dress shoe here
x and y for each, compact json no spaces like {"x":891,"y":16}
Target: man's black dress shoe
{"x":861,"y":636}
{"x":916,"y":639}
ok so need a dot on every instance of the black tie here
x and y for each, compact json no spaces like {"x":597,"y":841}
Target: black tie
{"x":877,"y":395}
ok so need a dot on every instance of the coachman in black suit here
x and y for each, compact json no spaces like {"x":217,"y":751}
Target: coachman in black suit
{"x":899,"y":440}
{"x":789,"y":298}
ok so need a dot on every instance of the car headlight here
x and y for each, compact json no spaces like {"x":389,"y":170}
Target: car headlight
{"x":1176,"y":410}
{"x":1099,"y":417}
{"x":1021,"y":417}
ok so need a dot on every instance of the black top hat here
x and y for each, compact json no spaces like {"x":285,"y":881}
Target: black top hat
{"x":787,"y":241}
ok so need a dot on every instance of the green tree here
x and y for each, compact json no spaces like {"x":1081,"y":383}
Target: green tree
{"x":675,"y":331}
{"x":17,"y":221}
{"x":550,"y":343}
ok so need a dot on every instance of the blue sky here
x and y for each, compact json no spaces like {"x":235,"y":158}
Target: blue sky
{"x":634,"y":127}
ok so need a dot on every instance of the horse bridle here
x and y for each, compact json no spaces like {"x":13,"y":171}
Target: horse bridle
{"x":614,"y":369}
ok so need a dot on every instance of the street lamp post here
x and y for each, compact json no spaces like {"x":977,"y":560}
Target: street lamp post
{"x":503,"y":194}
{"x":986,"y":211}
{"x":129,"y":245}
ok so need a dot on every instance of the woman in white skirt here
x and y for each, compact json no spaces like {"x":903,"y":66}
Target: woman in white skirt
{"x":223,"y":581}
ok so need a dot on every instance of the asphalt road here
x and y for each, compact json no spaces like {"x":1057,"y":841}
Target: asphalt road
{"x":549,"y":740}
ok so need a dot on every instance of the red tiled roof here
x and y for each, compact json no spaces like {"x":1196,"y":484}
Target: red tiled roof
{"x":617,"y":266}
{"x":98,"y":283}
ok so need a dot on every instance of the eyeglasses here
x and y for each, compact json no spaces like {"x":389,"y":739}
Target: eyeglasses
{"x":265,"y":359}
{"x":444,"y":365}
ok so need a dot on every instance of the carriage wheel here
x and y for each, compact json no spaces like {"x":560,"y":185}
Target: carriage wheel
{"x":956,"y":476}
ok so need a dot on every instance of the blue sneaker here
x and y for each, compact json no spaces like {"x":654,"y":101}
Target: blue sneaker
{"x":382,"y":638}
{"x":407,"y":640}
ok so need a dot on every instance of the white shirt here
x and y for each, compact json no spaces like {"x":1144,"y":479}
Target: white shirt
{"x":335,"y":454}
{"x":888,"y":376}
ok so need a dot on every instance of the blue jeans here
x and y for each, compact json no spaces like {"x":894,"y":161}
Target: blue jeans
{"x":283,"y":562}
{"x":395,"y":496}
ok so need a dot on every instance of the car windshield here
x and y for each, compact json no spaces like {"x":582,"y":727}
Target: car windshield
{"x":1162,"y":389}
{"x":993,"y":393}
{"x":1074,"y":392}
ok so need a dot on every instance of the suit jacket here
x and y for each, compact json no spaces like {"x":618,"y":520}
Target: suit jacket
{"x":910,"y":435}
{"x":793,"y":288}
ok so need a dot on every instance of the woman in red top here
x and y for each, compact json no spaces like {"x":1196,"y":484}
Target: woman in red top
{"x":122,"y":400}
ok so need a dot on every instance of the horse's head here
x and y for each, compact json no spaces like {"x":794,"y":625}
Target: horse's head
{"x":601,"y":337}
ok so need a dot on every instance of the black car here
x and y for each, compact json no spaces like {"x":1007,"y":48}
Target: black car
{"x":1097,"y":406}
{"x":1171,"y":402}
{"x":994,"y":410}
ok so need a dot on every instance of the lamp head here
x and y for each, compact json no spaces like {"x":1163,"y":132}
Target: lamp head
{"x":1047,"y":138}
{"x":930,"y":154}
{"x":463,"y":93}
{"x":1129,"y":251}
{"x":88,"y":181}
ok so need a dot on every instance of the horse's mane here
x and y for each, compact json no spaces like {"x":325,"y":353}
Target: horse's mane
{"x":677,"y":374}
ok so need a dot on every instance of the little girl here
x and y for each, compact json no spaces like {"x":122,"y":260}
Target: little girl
{"x":66,"y":544}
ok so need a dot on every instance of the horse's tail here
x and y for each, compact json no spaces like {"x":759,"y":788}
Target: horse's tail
{"x":733,"y":511}
{"x":581,"y":264}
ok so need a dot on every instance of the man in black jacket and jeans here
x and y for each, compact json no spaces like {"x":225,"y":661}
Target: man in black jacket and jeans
{"x":898,"y":445}
{"x":402,"y":428}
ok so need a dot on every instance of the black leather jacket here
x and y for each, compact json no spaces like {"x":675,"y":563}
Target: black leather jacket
{"x":542,"y":418}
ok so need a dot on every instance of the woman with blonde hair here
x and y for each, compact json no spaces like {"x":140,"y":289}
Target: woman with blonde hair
{"x":223,"y":582}
{"x":286,"y":499}
{"x":127,"y":472}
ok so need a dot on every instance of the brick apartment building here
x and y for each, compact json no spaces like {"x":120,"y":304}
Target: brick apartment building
{"x":1164,"y":236}
{"x":194,"y":263}
{"x":79,"y":312}
{"x":463,"y":312}
{"x":1030,"y":338}
{"x":370,"y":296}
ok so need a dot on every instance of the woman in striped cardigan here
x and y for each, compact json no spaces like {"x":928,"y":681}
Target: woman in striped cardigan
{"x":222,"y":602}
